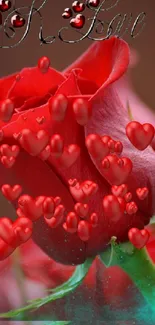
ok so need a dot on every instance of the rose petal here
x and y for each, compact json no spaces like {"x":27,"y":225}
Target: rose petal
{"x":110,"y":117}
{"x":103,"y":62}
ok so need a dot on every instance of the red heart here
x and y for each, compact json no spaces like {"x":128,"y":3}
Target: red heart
{"x":23,"y":230}
{"x":57,"y":107}
{"x":116,"y":170}
{"x":120,"y":190}
{"x":82,"y":110}
{"x":83,"y":192}
{"x":11,"y":193}
{"x":69,"y":156}
{"x":57,"y":218}
{"x":56,"y":145}
{"x":84,"y":230}
{"x":140,"y":135}
{"x":78,"y":6}
{"x":48,"y":207}
{"x":78,"y":22}
{"x":6,"y":230}
{"x":93,"y":3}
{"x":81,"y":209}
{"x":8,"y":162}
{"x":142,"y":193}
{"x":34,"y":143}
{"x":67,"y":13}
{"x":6,"y":110}
{"x":97,"y":148}
{"x":31,"y":208}
{"x":17,"y":21}
{"x":71,"y":223}
{"x":138,"y":238}
{"x":9,"y":151}
{"x":113,"y":207}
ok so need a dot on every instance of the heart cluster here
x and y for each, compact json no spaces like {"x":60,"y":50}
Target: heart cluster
{"x":13,"y":234}
{"x":106,"y":154}
{"x":79,"y":20}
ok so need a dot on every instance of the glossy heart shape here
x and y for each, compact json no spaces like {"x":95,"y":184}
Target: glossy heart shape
{"x":8,"y":162}
{"x":31,"y":208}
{"x":120,"y":190}
{"x":17,"y":21}
{"x":116,"y":170}
{"x":140,"y":135}
{"x":138,"y":238}
{"x":97,"y":148}
{"x":67,"y":13}
{"x":9,"y":151}
{"x":11,"y":192}
{"x":70,"y":154}
{"x":78,"y":22}
{"x":34,"y":143}
{"x":78,"y":6}
{"x":113,"y":208}
{"x":142,"y":193}
{"x":6,"y":110}
{"x":5,"y":5}
{"x":81,"y":209}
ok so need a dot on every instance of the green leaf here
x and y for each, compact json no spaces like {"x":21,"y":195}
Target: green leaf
{"x":78,"y":275}
{"x":59,"y":292}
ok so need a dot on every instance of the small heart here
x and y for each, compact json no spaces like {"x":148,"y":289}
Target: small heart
{"x":83,"y":192}
{"x":131,"y":208}
{"x":31,"y":208}
{"x":97,"y":148}
{"x":82,"y":110}
{"x":72,"y":182}
{"x":140,"y":135}
{"x":17,"y":21}
{"x":120,"y":190}
{"x":115,"y":170}
{"x":93,"y":3}
{"x":142,"y":193}
{"x":6,"y":110}
{"x":84,"y":230}
{"x":48,"y":207}
{"x":5,"y":5}
{"x":11,"y":193}
{"x":70,"y":154}
{"x":113,"y":208}
{"x":78,"y":22}
{"x":6,"y":230}
{"x":8,"y":162}
{"x":138,"y":238}
{"x":57,"y":107}
{"x":78,"y":6}
{"x":9,"y":151}
{"x":57,"y":218}
{"x":81,"y":209}
{"x":23,"y":230}
{"x":71,"y":223}
{"x":56,"y":145}
{"x":67,"y":13}
{"x":40,"y":119}
{"x":34,"y":143}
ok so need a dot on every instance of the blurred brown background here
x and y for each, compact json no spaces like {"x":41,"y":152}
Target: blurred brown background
{"x":61,"y":54}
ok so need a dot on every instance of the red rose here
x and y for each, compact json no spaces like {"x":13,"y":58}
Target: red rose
{"x":85,"y":99}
